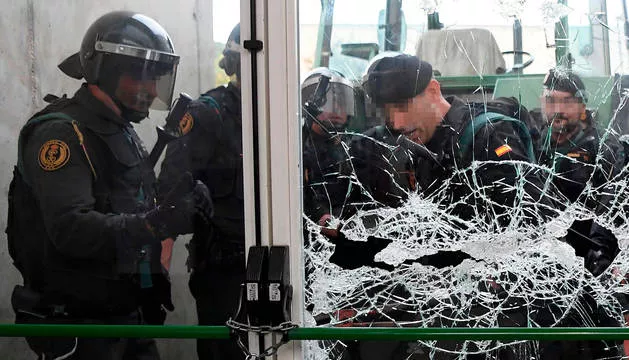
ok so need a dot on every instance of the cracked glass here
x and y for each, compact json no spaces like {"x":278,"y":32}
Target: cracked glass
{"x":475,"y":175}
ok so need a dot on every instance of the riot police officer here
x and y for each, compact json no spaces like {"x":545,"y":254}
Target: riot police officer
{"x":386,"y":169}
{"x":211,"y":149}
{"x":571,"y":148}
{"x":441,"y":125}
{"x":83,"y":226}
{"x":571,"y":132}
{"x":327,"y":172}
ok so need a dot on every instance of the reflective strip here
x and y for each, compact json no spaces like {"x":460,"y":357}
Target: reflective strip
{"x":138,"y":52}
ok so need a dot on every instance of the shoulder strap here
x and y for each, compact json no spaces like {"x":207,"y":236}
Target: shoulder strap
{"x":59,"y":116}
{"x":481,"y":120}
{"x":209,"y":101}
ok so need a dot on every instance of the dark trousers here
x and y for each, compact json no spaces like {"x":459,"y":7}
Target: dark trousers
{"x":217,"y":292}
{"x":89,"y":348}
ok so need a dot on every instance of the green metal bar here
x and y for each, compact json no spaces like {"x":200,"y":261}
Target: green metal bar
{"x":407,"y":334}
{"x":116,"y":331}
{"x":473,"y":82}
{"x":410,"y":334}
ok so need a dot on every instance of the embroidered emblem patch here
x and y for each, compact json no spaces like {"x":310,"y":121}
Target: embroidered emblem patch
{"x":579,"y":154}
{"x":503,"y":150}
{"x":185,"y":124}
{"x":53,"y":155}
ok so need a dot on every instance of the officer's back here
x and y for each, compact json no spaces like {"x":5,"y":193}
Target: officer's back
{"x":211,"y":149}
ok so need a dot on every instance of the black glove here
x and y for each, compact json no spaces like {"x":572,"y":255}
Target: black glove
{"x":596,"y":261}
{"x":187,"y":202}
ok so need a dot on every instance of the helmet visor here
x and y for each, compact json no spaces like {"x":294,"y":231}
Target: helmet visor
{"x":147,"y":77}
{"x":145,"y":85}
{"x":339,"y":98}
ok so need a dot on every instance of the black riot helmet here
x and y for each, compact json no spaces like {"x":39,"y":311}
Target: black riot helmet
{"x":395,"y":77}
{"x":124,"y":45}
{"x":231,"y":54}
{"x":327,"y":91}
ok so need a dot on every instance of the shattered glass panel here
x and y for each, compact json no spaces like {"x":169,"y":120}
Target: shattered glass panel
{"x":480,"y":180}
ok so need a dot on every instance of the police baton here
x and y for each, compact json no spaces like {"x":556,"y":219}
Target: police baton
{"x":316,"y":101}
{"x":176,"y":120}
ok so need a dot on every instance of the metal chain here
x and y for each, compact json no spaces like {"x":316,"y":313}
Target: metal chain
{"x":240,"y":328}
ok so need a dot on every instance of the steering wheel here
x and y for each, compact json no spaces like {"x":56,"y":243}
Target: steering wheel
{"x":519,"y":67}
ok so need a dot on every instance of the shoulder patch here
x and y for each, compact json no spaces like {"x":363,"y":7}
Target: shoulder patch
{"x":186,"y":123}
{"x":53,"y":155}
{"x":501,"y":150}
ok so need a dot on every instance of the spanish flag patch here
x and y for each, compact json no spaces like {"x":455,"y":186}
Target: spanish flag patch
{"x":503,"y":150}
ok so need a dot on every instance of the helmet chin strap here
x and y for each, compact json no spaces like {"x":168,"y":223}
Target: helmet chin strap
{"x":133,"y":116}
{"x":109,"y":86}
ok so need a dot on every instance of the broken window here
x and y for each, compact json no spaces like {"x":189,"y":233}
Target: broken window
{"x":476,"y":220}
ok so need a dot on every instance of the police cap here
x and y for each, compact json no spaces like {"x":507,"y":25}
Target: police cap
{"x":395,"y":77}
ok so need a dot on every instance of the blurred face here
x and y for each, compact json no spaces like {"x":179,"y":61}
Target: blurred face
{"x":336,"y":120}
{"x":564,"y":114}
{"x":333,"y":121}
{"x":415,"y":118}
{"x":136,"y":94}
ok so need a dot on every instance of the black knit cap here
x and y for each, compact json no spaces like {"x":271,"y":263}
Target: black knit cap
{"x":565,"y":80}
{"x":396,"y":77}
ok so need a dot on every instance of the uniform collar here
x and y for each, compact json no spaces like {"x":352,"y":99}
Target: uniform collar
{"x":451,"y":125}
{"x":104,"y":119}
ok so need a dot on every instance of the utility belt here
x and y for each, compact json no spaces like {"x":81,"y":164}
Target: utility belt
{"x":32,"y":304}
{"x":29,"y":303}
{"x":31,"y":308}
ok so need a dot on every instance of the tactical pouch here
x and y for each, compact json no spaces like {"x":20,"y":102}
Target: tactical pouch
{"x":29,"y":309}
{"x":199,"y":247}
{"x":27,"y":301}
{"x":24,"y":225}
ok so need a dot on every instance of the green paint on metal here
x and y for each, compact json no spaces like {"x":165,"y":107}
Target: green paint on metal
{"x":400,"y":334}
{"x":409,"y":334}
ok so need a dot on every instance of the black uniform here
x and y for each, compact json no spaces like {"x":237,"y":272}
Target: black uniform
{"x":390,"y":171}
{"x":574,"y":164}
{"x":327,"y":176}
{"x":495,"y":142}
{"x":77,"y":205}
{"x":487,"y":140}
{"x":450,"y":159}
{"x":385,"y":170}
{"x":212,"y":151}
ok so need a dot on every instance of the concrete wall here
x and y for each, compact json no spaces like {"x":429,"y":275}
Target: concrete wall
{"x":36,"y":36}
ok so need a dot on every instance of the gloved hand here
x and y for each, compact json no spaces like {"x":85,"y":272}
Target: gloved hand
{"x":187,"y":202}
{"x":596,"y":261}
